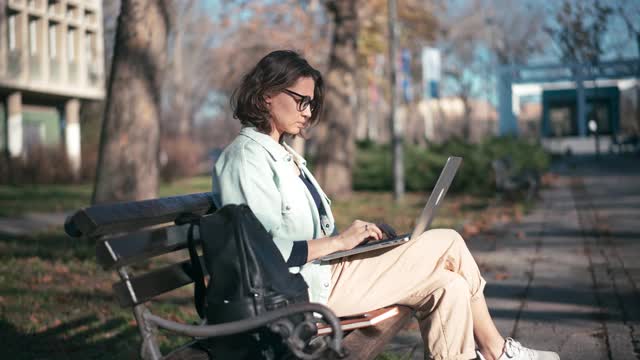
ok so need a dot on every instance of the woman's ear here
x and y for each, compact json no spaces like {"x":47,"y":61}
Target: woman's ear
{"x":267,"y":100}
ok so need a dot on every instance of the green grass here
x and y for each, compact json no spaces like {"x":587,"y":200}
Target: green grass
{"x":17,"y":200}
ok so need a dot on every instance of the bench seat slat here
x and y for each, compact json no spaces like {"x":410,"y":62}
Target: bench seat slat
{"x":366,"y":343}
{"x":156,"y":282}
{"x":135,"y":247}
{"x":121,"y":217}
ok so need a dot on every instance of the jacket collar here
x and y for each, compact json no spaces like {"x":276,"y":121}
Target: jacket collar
{"x":274,"y":149}
{"x":298,"y":159}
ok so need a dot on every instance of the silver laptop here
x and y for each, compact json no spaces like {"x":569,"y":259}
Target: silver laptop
{"x":422,"y":222}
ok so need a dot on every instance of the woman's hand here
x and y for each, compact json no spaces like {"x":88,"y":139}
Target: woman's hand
{"x":356,"y":233}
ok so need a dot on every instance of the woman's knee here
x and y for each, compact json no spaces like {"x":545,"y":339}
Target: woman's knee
{"x":447,"y":238}
{"x":457,"y":286}
{"x":449,"y":234}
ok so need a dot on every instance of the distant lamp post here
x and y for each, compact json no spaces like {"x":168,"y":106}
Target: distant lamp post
{"x":593,"y":127}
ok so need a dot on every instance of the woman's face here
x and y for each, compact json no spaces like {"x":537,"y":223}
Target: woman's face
{"x":286,"y":118}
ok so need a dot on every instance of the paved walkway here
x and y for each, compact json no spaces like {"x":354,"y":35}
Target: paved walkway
{"x":567,"y":277}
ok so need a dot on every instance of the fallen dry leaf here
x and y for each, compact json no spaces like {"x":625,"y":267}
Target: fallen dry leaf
{"x":470,"y":230}
{"x":61,"y":269}
{"x":501,"y":276}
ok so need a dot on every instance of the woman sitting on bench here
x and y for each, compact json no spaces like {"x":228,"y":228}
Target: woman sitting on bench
{"x":435,"y":274}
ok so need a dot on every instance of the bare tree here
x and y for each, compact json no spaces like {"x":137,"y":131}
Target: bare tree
{"x":334,"y":136}
{"x":578,"y":30}
{"x":417,"y":27}
{"x":189,"y":79}
{"x":630,"y":12}
{"x":129,"y":143}
{"x":460,"y":37}
{"x":480,"y":35}
{"x":513,"y":30}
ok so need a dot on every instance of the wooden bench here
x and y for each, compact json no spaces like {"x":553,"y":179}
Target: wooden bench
{"x":129,"y":235}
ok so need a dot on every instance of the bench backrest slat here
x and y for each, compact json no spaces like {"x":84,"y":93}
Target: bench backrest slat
{"x":122,"y":217}
{"x":146,"y":286}
{"x":138,"y":246}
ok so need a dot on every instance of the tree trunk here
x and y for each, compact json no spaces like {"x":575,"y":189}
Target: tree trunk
{"x":397,"y":157}
{"x":335,"y":140}
{"x":129,"y":142}
{"x":466,"y":118}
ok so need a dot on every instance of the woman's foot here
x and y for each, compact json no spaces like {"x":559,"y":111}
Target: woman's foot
{"x":513,"y":350}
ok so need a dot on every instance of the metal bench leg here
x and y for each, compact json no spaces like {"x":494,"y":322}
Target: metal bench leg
{"x":149,"y":350}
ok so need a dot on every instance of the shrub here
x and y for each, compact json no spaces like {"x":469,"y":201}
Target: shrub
{"x":373,"y":170}
{"x":42,"y":165}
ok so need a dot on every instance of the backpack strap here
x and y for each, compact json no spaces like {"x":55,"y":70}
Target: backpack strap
{"x":196,"y":273}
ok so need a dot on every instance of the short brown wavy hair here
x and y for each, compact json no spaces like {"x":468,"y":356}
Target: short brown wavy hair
{"x":273,"y":73}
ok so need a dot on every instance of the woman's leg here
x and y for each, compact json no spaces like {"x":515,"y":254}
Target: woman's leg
{"x":435,"y":274}
{"x":488,"y":338}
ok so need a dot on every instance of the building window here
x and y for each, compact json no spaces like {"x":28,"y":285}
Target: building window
{"x":12,"y":32}
{"x":89,"y":17}
{"x":33,"y":37}
{"x":71,"y":45}
{"x":71,"y":12}
{"x":53,"y":46}
{"x":88,"y":42}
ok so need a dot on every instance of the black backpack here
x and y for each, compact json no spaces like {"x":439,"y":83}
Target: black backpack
{"x":248,"y":275}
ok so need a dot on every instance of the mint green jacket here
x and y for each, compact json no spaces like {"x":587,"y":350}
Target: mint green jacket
{"x":255,"y":170}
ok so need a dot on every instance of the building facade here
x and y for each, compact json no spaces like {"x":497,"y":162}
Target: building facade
{"x":581,"y":103}
{"x":51,"y":56}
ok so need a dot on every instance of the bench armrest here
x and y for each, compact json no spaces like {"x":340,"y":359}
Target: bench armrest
{"x":285,"y":329}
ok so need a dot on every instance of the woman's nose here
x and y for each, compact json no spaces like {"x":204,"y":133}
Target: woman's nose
{"x":307,"y":112}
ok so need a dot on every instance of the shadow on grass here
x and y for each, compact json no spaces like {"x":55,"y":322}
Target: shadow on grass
{"x":56,"y":304}
{"x":74,"y":339}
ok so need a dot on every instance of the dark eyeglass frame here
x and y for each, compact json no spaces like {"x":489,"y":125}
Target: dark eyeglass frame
{"x":302,"y":101}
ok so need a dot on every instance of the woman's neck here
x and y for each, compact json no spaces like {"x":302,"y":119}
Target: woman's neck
{"x":276,"y":135}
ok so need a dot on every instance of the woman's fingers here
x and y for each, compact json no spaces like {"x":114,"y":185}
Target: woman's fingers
{"x":374,"y":231}
{"x":377,"y":231}
{"x":365,"y":230}
{"x":371,"y":230}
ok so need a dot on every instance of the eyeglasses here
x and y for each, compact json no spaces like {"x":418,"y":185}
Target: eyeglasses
{"x":303,"y":101}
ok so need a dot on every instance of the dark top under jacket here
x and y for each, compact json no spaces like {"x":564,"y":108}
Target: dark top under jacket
{"x":300,"y":250}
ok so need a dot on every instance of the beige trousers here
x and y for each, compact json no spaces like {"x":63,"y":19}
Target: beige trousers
{"x":435,"y":274}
